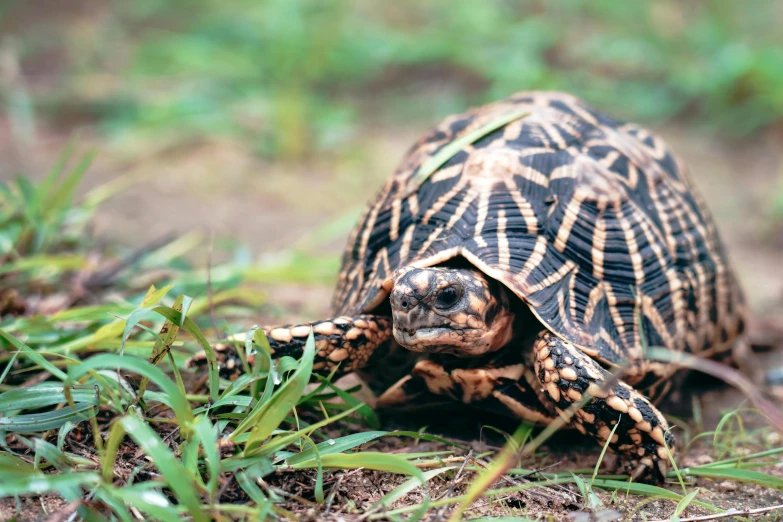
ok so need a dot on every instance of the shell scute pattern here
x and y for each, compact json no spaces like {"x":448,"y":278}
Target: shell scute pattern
{"x":594,"y":223}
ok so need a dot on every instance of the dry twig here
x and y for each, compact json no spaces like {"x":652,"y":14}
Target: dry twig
{"x":730,"y":513}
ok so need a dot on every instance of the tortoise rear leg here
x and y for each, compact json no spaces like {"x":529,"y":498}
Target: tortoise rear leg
{"x":345,"y":343}
{"x":505,"y":388}
{"x":568,"y":375}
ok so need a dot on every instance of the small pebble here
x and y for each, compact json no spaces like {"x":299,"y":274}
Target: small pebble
{"x":727,"y":485}
{"x":703,"y":459}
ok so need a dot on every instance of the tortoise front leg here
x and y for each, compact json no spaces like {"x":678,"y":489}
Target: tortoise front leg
{"x":508,"y":388}
{"x":345,"y":343}
{"x":568,"y":375}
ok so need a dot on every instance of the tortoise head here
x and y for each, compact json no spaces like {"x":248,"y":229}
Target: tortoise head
{"x":449,"y":310}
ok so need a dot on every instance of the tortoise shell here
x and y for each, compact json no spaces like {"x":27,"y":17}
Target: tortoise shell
{"x":592,"y":222}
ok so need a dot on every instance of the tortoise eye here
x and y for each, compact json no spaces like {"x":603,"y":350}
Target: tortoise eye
{"x":447,"y":298}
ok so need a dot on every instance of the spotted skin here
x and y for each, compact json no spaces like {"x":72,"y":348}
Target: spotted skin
{"x":568,"y":376}
{"x":510,"y":389}
{"x":343,"y":344}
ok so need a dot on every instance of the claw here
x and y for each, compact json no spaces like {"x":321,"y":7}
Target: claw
{"x":662,"y":469}
{"x":401,"y":393}
{"x":645,"y":464}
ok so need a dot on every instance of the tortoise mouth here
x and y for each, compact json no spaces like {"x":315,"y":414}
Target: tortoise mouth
{"x":433,"y":339}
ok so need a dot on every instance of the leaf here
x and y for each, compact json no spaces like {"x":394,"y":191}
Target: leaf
{"x":50,"y":420}
{"x":60,"y":198}
{"x":205,"y":433}
{"x":187,"y":324}
{"x":57,"y":262}
{"x":276,"y":443}
{"x":116,"y":434}
{"x":118,"y":506}
{"x":28,"y":483}
{"x":335,"y":446}
{"x":49,"y":452}
{"x":603,"y":452}
{"x":366,"y":459}
{"x":179,"y":404}
{"x":409,"y":485}
{"x":592,"y":501}
{"x":11,"y":465}
{"x":34,"y":356}
{"x":45,"y":395}
{"x":168,"y":332}
{"x":231,"y":400}
{"x":647,"y":490}
{"x":256,"y":495}
{"x":369,"y":415}
{"x":171,"y":469}
{"x":738,"y":475}
{"x":47,"y":185}
{"x":449,"y":150}
{"x":147,"y":500}
{"x":683,"y":504}
{"x":266,"y":417}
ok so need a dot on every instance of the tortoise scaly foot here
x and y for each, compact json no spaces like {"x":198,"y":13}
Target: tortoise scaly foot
{"x":345,"y":343}
{"x":568,"y":376}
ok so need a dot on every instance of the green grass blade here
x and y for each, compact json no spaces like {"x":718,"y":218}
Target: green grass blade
{"x":683,"y":504}
{"x":591,"y":500}
{"x":60,"y":198}
{"x":648,"y":490}
{"x":175,"y":475}
{"x":150,"y":502}
{"x":11,"y":465}
{"x":732,"y":462}
{"x":50,"y":420}
{"x":45,"y":395}
{"x":231,"y":400}
{"x":205,"y":432}
{"x":116,"y":434}
{"x":263,"y":504}
{"x":367,"y":459}
{"x":276,"y":443}
{"x":34,"y":356}
{"x":115,"y":504}
{"x":603,"y":452}
{"x":367,"y":413}
{"x":47,"y":451}
{"x":449,"y":150}
{"x":179,"y":403}
{"x":7,"y":369}
{"x":192,"y":328}
{"x":738,"y":475}
{"x":409,"y":485}
{"x":46,"y":187}
{"x":266,"y":417}
{"x":338,"y":445}
{"x":166,"y":336}
{"x":38,"y":483}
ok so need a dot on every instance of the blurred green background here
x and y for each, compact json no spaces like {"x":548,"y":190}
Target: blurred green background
{"x":264,"y":119}
{"x":292,"y":77}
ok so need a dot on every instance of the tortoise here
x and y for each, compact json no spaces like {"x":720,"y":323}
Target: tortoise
{"x":527,"y":250}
